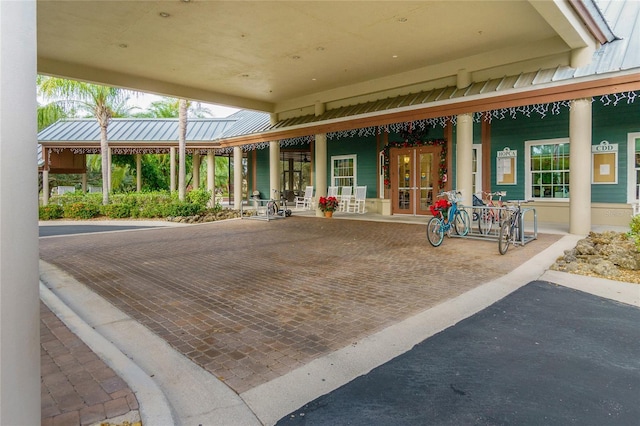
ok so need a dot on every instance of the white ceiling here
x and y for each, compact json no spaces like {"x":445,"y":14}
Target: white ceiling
{"x":284,"y":56}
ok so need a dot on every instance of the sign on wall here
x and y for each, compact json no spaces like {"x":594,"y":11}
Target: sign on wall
{"x":506,"y":167}
{"x":604,"y":160}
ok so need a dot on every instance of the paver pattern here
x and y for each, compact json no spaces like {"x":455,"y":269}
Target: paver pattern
{"x":77,"y":387}
{"x":250,"y":301}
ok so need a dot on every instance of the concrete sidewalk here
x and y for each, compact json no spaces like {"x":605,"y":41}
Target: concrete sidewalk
{"x":188,"y":373}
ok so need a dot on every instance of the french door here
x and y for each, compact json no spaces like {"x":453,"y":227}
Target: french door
{"x":414,"y":179}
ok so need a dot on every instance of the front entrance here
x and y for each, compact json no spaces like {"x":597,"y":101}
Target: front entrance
{"x":414,"y":179}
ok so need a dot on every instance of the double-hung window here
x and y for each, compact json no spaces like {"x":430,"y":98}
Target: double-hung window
{"x":547,"y":169}
{"x":343,"y":170}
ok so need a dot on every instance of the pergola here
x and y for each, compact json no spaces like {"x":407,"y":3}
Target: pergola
{"x":289,"y":59}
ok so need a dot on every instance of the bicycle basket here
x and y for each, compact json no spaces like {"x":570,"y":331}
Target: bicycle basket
{"x":454,"y":196}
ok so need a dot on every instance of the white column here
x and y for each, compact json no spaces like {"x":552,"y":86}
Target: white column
{"x":19,"y":293}
{"x":464,"y":157}
{"x":109,"y":183}
{"x":237,"y":177}
{"x":211,"y":175}
{"x":274,"y":169}
{"x":196,"y":170}
{"x":580,"y":170}
{"x":172,"y":169}
{"x":139,"y":172}
{"x":321,"y":168}
{"x":45,"y":186}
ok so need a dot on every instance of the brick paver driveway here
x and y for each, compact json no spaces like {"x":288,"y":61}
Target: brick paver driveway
{"x":251,"y":300}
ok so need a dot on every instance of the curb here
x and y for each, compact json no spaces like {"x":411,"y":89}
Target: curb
{"x":153,"y":405}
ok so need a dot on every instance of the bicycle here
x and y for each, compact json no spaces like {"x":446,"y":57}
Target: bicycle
{"x":511,"y":229}
{"x":273,"y":209}
{"x":489,"y":216}
{"x":456,"y":219}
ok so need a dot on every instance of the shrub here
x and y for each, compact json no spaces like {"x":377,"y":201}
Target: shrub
{"x":183,"y":209}
{"x":50,"y":212}
{"x":199,"y":196}
{"x":81,"y":210}
{"x":117,"y":211}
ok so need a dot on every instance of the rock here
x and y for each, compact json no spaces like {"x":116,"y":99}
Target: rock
{"x":608,"y":254}
{"x":585,"y":247}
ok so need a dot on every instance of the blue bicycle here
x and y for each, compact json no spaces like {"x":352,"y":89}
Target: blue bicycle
{"x":455,"y":219}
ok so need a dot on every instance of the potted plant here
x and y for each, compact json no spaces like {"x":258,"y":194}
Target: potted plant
{"x":328,"y":205}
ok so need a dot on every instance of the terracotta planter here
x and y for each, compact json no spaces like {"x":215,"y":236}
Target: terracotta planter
{"x":328,"y":214}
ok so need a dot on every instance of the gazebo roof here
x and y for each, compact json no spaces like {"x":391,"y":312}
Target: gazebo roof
{"x":135,"y":130}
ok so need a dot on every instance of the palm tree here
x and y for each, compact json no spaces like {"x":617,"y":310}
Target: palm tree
{"x":101,"y":102}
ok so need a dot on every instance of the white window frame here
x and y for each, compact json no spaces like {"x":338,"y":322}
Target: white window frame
{"x":527,"y":167}
{"x":353,"y":157}
{"x":478,"y":173}
{"x":631,"y":167}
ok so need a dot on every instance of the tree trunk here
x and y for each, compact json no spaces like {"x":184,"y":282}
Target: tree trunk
{"x":182,"y":148}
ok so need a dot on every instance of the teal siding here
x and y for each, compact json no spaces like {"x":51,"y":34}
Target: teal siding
{"x":262,"y":173}
{"x":513,"y":133}
{"x":367,"y":159}
{"x":613,"y":123}
{"x":477,"y":138}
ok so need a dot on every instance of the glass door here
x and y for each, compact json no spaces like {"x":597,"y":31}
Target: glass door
{"x":427,"y":159}
{"x":414,"y":179}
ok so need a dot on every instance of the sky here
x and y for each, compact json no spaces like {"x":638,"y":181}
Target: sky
{"x":145,"y":99}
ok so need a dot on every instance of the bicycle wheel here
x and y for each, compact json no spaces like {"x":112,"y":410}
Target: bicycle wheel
{"x":435,"y":233}
{"x":504,"y":237}
{"x":461,"y":222}
{"x":485,"y":222}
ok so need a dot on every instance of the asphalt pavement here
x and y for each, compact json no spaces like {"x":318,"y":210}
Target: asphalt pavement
{"x":545,"y":354}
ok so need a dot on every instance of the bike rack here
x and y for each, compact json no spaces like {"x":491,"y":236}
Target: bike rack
{"x":260,"y":208}
{"x":474,"y":232}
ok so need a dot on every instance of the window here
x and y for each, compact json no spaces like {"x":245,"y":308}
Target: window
{"x":547,"y":164}
{"x":343,"y":170}
{"x":633,"y":176}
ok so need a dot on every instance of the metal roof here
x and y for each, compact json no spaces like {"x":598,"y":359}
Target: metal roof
{"x":136,"y":130}
{"x":620,"y":54}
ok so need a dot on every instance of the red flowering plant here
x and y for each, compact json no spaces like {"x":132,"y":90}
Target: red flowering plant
{"x":328,"y":204}
{"x":441,"y":205}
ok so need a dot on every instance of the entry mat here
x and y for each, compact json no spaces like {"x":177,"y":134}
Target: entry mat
{"x":544,"y":355}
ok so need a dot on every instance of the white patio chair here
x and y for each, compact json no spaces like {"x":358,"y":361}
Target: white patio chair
{"x":306,"y":200}
{"x":358,"y":203}
{"x":345,"y":198}
{"x":332,"y":191}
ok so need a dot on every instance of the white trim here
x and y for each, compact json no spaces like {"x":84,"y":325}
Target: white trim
{"x":631,"y":167}
{"x":478,"y":177}
{"x":527,"y":167}
{"x":381,"y":173}
{"x":353,"y":157}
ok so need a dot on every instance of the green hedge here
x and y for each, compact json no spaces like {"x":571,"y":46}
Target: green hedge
{"x":157,"y":204}
{"x":50,"y":212}
{"x":81,"y":210}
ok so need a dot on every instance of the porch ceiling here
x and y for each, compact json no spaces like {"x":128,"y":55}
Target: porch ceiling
{"x":284,"y":56}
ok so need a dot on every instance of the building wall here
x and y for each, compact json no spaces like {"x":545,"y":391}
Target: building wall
{"x":367,"y":159}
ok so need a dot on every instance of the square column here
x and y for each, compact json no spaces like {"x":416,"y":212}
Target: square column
{"x":580,"y":167}
{"x":464,"y":158}
{"x":172,"y":169}
{"x":211,"y":176}
{"x":274,"y":169}
{"x":19,"y":291}
{"x":196,"y":170}
{"x":237,"y":177}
